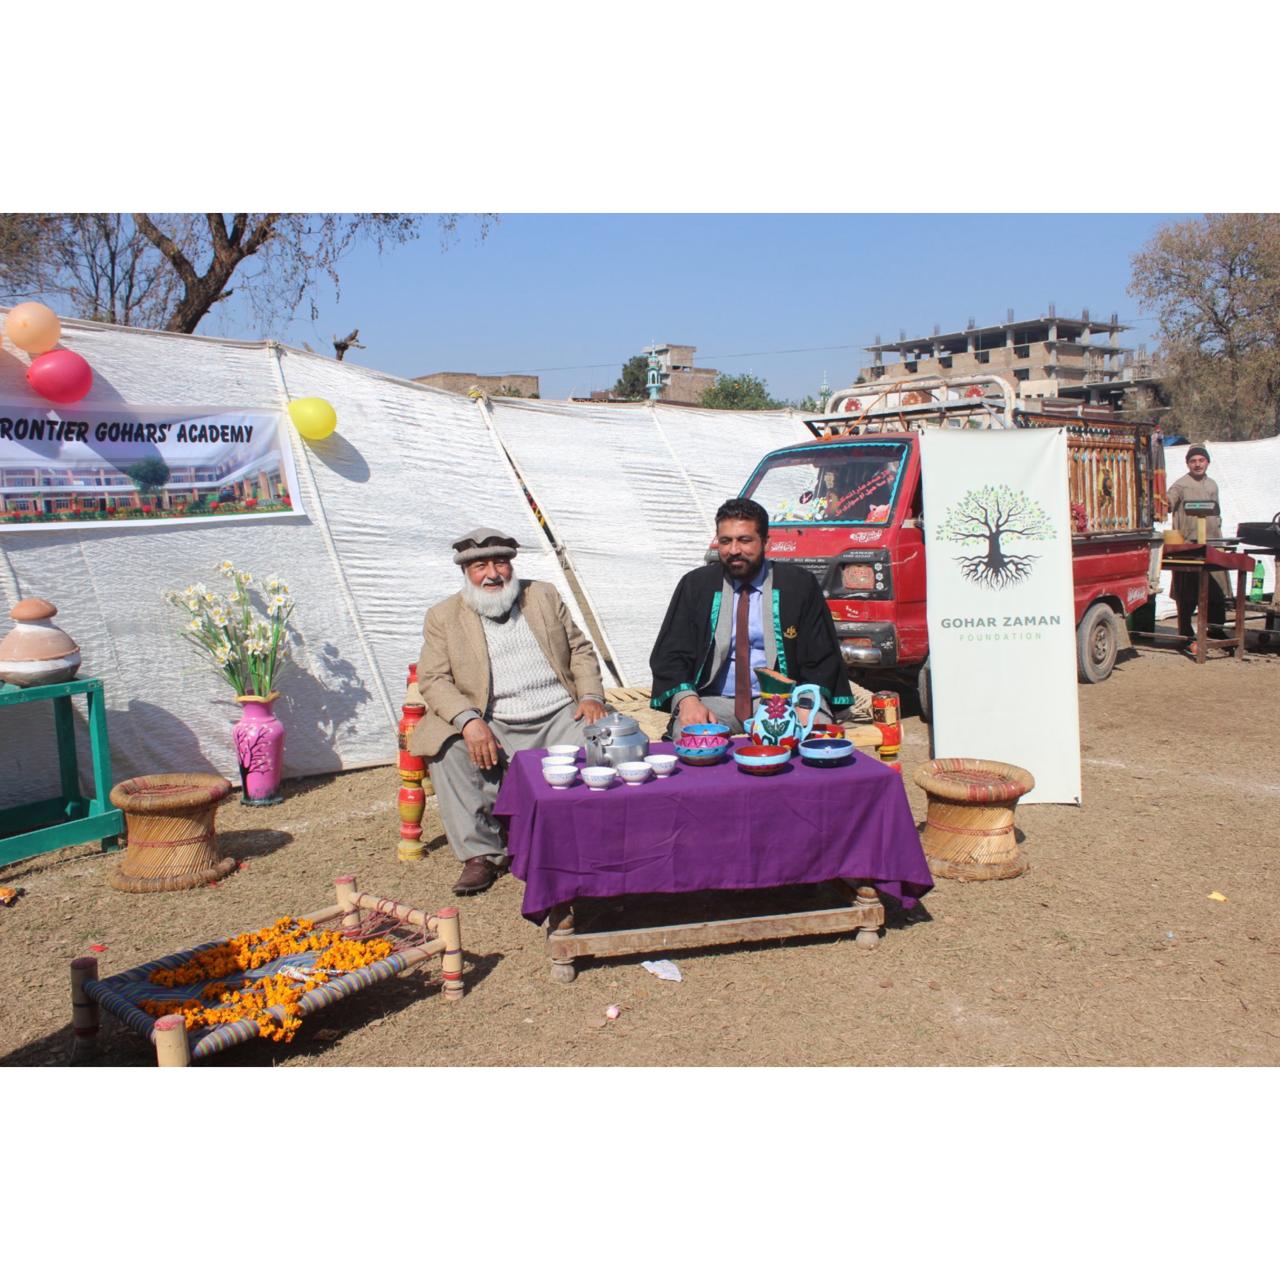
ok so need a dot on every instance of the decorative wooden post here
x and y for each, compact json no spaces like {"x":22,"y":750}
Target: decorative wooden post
{"x":347,"y":889}
{"x":415,"y":784}
{"x":172,"y":1049}
{"x":560,"y":925}
{"x":868,"y":937}
{"x":84,"y":1012}
{"x":449,"y":931}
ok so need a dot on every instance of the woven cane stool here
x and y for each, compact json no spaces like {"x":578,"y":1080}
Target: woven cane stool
{"x":171,"y":841}
{"x":968,"y":833}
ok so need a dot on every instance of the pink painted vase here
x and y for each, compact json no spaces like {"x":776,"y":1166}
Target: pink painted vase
{"x":259,"y":739}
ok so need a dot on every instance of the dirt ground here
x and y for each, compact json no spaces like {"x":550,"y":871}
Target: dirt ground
{"x":1108,"y":951}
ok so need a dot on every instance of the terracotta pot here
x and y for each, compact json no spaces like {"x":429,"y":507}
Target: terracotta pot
{"x":36,"y":651}
{"x":259,"y":739}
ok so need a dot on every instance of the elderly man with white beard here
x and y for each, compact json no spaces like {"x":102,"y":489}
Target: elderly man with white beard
{"x":503,"y":669}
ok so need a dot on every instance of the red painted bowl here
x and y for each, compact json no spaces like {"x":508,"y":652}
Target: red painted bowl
{"x":761,"y":761}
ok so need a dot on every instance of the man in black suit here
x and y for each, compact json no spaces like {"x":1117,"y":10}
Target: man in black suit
{"x":742,"y":612}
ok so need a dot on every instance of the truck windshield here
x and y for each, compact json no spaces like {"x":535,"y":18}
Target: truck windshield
{"x":832,"y":484}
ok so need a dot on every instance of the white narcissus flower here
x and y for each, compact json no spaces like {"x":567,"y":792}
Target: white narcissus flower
{"x":227,"y":567}
{"x":244,"y":577}
{"x":222,"y":654}
{"x":218,"y":617}
{"x":279,"y":604}
{"x":194,"y":626}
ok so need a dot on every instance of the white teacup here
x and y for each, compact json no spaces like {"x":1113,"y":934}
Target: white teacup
{"x":561,"y":776}
{"x":599,"y":777}
{"x":634,"y":772}
{"x":558,"y":762}
{"x":569,"y":749}
{"x":663,"y":766}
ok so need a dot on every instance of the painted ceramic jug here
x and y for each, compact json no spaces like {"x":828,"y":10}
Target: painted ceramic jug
{"x":778,"y":720}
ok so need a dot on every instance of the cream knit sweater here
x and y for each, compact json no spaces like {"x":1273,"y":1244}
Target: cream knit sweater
{"x":525,"y":688}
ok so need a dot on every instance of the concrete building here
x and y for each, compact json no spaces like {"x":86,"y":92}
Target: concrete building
{"x":526,"y":384}
{"x":1051,"y":357}
{"x":681,"y":382}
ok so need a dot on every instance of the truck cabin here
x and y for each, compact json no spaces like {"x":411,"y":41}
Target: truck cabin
{"x":854,"y":483}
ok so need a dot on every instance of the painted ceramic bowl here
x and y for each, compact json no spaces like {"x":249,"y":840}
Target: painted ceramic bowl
{"x":599,"y":777}
{"x":634,"y":772}
{"x":825,"y":731}
{"x":704,"y":735}
{"x":701,"y":755}
{"x":826,"y":753}
{"x":569,"y":749}
{"x":761,"y":761}
{"x":557,"y":761}
{"x":561,"y":776}
{"x":663,"y":766}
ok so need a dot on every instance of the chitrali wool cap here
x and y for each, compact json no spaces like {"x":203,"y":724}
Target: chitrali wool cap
{"x":1198,"y":451}
{"x":484,"y":544}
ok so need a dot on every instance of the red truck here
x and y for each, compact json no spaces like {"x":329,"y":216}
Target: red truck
{"x":848,"y":507}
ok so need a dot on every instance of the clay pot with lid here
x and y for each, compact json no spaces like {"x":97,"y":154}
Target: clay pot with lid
{"x":37,"y":651}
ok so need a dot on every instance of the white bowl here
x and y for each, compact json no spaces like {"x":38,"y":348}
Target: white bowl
{"x":561,"y":776}
{"x":558,"y":761}
{"x":599,"y":777}
{"x":634,"y":772}
{"x":570,"y":749}
{"x":662,"y":766}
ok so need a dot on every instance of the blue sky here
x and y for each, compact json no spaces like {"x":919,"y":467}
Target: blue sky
{"x":560,"y":293}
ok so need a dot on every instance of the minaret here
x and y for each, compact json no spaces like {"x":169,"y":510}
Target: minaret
{"x":653,"y":379}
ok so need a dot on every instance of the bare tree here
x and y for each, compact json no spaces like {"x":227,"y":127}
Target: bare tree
{"x":168,"y":271}
{"x":991,"y":515}
{"x":1214,"y":284}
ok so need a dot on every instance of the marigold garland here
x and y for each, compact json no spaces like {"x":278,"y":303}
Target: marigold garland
{"x":252,"y":999}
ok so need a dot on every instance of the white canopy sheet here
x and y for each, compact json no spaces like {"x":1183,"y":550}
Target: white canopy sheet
{"x":409,"y":468}
{"x":631,"y":492}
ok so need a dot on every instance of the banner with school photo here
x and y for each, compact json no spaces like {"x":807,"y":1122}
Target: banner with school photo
{"x":1002,"y":639}
{"x":85,"y":466}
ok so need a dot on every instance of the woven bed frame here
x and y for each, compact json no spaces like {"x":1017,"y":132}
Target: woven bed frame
{"x":416,"y":934}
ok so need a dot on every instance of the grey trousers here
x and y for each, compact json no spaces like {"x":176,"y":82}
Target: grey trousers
{"x":466,"y":794}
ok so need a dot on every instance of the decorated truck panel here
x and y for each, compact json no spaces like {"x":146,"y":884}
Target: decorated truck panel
{"x":848,"y":507}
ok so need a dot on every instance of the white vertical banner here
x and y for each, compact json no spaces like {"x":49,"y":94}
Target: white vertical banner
{"x":1001,"y":612}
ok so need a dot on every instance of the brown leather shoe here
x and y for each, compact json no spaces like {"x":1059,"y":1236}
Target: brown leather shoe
{"x":477,"y":875}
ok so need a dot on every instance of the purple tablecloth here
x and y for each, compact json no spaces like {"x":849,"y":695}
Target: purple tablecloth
{"x":710,"y":827}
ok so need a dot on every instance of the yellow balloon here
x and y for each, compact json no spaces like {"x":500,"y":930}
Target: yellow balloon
{"x":314,"y":418}
{"x":33,"y":327}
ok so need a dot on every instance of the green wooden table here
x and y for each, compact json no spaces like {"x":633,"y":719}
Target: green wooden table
{"x":69,"y":818}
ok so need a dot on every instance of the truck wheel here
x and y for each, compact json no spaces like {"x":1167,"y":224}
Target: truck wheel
{"x":1097,"y":643}
{"x":925,"y":691}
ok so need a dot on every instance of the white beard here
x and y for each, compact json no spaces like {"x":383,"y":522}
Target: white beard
{"x":491,"y":604}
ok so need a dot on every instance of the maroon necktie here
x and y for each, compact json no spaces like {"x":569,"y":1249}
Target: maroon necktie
{"x":742,"y":658}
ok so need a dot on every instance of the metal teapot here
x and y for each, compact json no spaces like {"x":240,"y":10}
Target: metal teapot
{"x":614,"y":739}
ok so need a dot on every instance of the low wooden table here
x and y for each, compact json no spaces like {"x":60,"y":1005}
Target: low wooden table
{"x":845,"y":835}
{"x":863,"y":916}
{"x":1187,"y":557}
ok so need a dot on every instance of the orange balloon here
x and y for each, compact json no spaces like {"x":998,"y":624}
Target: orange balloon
{"x":33,"y":327}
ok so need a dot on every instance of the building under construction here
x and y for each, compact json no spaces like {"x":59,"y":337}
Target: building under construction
{"x":1050,"y":358}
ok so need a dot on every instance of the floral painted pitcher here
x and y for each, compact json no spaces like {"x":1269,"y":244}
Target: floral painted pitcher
{"x":778,"y":722}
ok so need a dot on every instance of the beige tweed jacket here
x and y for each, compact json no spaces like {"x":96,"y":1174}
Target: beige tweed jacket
{"x":453,"y":667}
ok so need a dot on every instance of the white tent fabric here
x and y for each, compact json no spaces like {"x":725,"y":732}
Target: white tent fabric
{"x":409,"y":468}
{"x":1248,"y":476}
{"x":631,"y":492}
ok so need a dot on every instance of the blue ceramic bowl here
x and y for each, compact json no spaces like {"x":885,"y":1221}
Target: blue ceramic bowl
{"x":701,"y":755}
{"x":826,"y":753}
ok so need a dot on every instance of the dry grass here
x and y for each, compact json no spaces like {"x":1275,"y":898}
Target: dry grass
{"x":1108,"y":951}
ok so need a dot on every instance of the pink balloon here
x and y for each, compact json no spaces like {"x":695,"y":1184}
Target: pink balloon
{"x":60,"y":376}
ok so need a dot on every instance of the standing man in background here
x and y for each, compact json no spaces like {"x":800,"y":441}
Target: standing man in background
{"x":1193,"y":498}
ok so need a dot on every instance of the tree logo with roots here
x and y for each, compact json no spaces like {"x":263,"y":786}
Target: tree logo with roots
{"x":992,"y":517}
